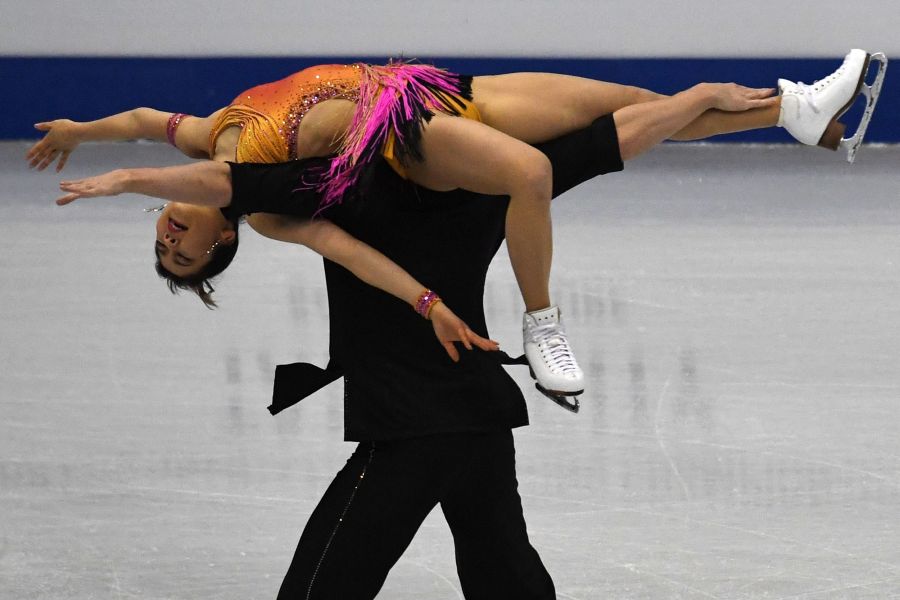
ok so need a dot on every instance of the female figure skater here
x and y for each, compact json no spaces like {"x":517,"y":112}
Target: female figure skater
{"x":406,"y":113}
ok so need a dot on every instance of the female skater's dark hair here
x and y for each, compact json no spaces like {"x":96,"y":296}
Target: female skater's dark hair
{"x":199,"y":283}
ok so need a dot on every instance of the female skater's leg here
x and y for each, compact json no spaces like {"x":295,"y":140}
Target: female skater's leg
{"x":717,"y":122}
{"x":460,"y":153}
{"x":536,"y":107}
{"x":643,"y":126}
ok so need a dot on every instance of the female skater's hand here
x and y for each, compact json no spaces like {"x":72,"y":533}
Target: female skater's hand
{"x":733,"y":97}
{"x":60,"y":141}
{"x":108,"y":184}
{"x":449,"y":328}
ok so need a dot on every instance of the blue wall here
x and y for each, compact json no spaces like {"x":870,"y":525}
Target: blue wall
{"x":86,"y":88}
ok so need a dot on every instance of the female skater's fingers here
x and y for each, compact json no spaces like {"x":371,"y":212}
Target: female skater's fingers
{"x":759,"y":94}
{"x":735,"y":98}
{"x":451,"y":350}
{"x":63,"y":200}
{"x":45,"y":160}
{"x":464,"y":333}
{"x":107,"y":184}
{"x":449,"y":329}
{"x":46,"y":126}
{"x":80,"y":187}
{"x":35,"y":150}
{"x":63,"y":160}
{"x":484,"y":343}
{"x":76,"y":189}
{"x":480,"y":342}
{"x":48,"y":160}
{"x":764,"y":102}
{"x":36,"y":158}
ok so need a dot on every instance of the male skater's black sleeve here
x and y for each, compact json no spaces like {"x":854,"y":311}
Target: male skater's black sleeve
{"x":582,"y":155}
{"x":285,"y":188}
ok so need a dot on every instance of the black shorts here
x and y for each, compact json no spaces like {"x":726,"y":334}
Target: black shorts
{"x":583,"y":154}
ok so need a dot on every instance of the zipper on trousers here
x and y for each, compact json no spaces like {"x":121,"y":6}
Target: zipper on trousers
{"x":337,"y":525}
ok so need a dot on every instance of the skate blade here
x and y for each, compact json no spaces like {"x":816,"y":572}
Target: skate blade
{"x":871,"y":93}
{"x":567,"y":401}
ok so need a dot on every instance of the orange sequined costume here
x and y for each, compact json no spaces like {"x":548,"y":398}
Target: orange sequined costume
{"x":269,"y":115}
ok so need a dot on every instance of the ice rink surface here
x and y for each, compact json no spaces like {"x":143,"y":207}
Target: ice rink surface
{"x":737,"y":311}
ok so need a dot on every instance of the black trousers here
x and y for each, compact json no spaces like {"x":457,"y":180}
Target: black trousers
{"x":376,"y":503}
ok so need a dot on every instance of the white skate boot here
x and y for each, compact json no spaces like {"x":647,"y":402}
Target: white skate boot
{"x":551,"y":360}
{"x":810,"y":113}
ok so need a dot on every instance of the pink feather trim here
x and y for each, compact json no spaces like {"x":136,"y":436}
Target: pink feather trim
{"x":393,"y":99}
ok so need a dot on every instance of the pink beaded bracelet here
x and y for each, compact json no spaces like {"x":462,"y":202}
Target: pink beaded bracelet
{"x":172,"y":126}
{"x":427,"y":300}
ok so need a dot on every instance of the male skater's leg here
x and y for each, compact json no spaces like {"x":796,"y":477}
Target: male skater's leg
{"x":364,"y":522}
{"x":494,"y":558}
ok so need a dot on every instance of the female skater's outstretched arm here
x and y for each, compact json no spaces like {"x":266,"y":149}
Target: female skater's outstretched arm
{"x":370,"y":266}
{"x":208,"y":183}
{"x":63,"y":135}
{"x":205,"y":183}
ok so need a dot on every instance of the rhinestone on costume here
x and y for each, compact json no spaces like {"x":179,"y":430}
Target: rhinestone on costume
{"x":283,"y":104}
{"x":309,"y":95}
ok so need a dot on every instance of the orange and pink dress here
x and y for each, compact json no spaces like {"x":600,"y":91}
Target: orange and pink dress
{"x":392,"y":103}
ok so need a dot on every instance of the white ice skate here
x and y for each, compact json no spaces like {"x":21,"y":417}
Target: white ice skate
{"x":551,"y":359}
{"x":810,"y":113}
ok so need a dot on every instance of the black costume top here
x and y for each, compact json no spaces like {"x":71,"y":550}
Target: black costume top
{"x":398,"y":380}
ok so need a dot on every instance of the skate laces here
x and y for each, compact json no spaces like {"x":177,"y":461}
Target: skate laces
{"x":808,"y":90}
{"x":554,"y":346}
{"x":809,"y":95}
{"x":824,"y":83}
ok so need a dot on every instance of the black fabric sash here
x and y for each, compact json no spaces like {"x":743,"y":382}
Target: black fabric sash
{"x":297,"y":381}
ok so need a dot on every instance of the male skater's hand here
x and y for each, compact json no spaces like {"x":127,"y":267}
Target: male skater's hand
{"x":449,"y":328}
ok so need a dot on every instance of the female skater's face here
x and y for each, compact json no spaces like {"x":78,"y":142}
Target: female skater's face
{"x":186,"y":233}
